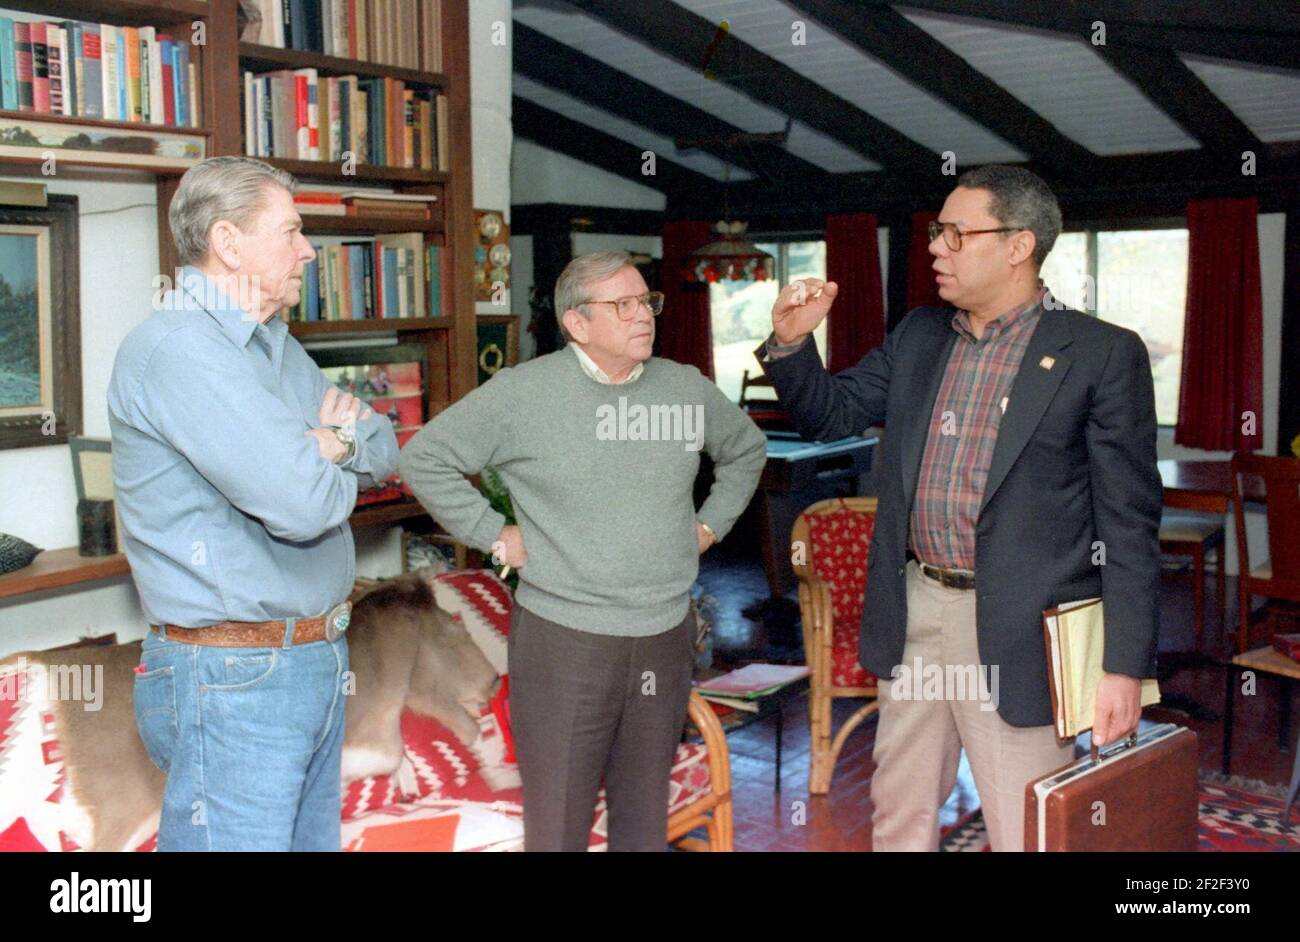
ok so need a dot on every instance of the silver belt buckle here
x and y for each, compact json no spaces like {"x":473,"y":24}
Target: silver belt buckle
{"x":336,"y":622}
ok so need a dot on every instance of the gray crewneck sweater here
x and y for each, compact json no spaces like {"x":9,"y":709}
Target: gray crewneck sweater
{"x":601,"y":477}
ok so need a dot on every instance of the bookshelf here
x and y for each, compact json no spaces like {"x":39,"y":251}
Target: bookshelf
{"x":220,"y":63}
{"x":259,"y":58}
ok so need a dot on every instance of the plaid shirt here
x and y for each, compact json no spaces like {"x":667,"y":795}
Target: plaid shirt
{"x":963,"y":431}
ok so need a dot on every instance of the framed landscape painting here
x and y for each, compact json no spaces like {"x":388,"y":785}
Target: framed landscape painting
{"x":40,"y":336}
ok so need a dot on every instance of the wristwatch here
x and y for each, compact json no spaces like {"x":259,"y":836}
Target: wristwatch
{"x":348,"y":436}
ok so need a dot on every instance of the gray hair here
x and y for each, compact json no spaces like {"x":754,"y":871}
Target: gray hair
{"x":1020,"y":199}
{"x":229,"y":188}
{"x":577,"y":278}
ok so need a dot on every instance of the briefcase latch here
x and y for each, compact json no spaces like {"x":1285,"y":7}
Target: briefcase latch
{"x":1113,"y":749}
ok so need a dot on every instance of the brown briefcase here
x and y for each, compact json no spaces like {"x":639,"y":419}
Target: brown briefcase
{"x":1138,"y":794}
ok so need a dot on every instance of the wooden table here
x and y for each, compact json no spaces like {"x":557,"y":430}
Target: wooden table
{"x":1205,"y":486}
{"x":798,"y":473}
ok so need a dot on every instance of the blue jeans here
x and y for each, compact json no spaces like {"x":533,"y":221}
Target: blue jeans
{"x":251,"y":740}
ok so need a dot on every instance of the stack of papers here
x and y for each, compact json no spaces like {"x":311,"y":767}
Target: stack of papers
{"x":742,"y":689}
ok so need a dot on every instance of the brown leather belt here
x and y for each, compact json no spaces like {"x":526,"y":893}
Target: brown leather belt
{"x":265,"y":634}
{"x":951,"y":578}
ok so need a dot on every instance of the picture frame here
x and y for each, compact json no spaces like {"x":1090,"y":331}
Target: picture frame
{"x":498,"y":344}
{"x":393,"y":379}
{"x":150,"y":146}
{"x":385,"y":376}
{"x":40,"y":324}
{"x":92,"y":467}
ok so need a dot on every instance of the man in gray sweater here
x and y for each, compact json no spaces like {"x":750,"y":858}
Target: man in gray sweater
{"x":599,"y":444}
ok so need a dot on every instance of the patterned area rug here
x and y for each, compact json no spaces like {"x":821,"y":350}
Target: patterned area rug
{"x":1233,"y":818}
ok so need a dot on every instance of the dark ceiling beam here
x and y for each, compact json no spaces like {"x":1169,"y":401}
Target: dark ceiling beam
{"x":694,"y":41}
{"x":1177,"y":91}
{"x":1234,"y":31}
{"x":891,"y":38}
{"x":1164,"y":181}
{"x":554,"y":131}
{"x":561,"y":67}
{"x":532,"y":218}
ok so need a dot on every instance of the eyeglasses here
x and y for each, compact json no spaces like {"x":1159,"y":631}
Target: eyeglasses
{"x":629,"y":306}
{"x":952,"y":236}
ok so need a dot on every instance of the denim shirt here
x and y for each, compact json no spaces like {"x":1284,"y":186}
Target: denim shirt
{"x":228,"y":510}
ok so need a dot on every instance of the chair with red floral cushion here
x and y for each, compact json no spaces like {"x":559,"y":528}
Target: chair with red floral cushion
{"x":831,"y":540}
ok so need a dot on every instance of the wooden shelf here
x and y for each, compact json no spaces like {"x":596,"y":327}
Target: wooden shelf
{"x":124,"y":12}
{"x":313,"y":224}
{"x":73,"y":120}
{"x":387,"y":513}
{"x":259,"y":58}
{"x":369,"y":326}
{"x":53,"y":569}
{"x":365,"y":173}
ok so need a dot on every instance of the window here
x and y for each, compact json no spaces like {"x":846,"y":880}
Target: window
{"x":1136,"y":278}
{"x":742,"y":313}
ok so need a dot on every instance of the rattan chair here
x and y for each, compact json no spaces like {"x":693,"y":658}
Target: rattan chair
{"x":830,"y":542}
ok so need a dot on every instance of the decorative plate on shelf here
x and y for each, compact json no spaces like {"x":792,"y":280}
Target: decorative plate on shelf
{"x":491,"y":255}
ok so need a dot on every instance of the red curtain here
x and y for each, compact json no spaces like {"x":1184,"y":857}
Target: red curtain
{"x":1222,"y":374}
{"x":684,"y":328}
{"x":922,"y":290}
{"x":857,"y":321}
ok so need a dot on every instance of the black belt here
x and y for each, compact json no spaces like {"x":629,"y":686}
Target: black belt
{"x":951,"y":578}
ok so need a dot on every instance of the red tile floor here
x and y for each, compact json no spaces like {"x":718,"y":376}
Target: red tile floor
{"x":841,"y":821}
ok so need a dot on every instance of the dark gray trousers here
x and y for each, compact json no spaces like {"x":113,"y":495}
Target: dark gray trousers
{"x":585,"y":706}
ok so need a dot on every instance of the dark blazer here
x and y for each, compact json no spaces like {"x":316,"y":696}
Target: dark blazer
{"x":1074,"y":463}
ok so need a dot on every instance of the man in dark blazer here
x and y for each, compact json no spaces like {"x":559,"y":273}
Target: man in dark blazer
{"x":1017,"y":472}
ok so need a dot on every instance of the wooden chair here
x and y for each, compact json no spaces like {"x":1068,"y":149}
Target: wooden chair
{"x":760,"y":381}
{"x":1277,"y":579}
{"x":1185,"y":534}
{"x":830,"y":542}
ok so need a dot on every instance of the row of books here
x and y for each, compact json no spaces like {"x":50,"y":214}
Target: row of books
{"x":417,"y":208}
{"x":393,"y":276}
{"x":384,"y":31}
{"x":301,"y":115}
{"x":97,"y":70}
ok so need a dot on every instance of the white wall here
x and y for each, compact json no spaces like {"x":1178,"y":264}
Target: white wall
{"x":119,"y":259}
{"x":490,"y":69}
{"x":539,"y":175}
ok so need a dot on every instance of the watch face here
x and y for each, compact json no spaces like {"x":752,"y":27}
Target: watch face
{"x":500,"y":255}
{"x":489,"y":225}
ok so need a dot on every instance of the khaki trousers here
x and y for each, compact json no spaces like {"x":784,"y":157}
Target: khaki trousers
{"x":935,"y":707}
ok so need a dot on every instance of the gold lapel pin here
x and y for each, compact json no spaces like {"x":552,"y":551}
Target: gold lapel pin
{"x":1047,"y":362}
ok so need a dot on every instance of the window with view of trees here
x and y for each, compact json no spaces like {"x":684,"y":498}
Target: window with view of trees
{"x":742,"y":312}
{"x":1134,"y":278}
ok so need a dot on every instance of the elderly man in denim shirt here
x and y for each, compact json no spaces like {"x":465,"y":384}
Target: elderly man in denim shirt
{"x":236,"y":464}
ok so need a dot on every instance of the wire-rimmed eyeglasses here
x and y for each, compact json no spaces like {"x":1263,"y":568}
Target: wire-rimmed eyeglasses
{"x":628,"y":307}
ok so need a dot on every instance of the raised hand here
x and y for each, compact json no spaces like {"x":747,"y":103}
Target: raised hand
{"x":800,"y":307}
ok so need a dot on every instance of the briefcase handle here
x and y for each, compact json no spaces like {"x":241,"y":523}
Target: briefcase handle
{"x":1112,"y":749}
